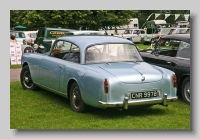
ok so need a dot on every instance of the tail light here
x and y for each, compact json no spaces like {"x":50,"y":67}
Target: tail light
{"x":106,"y":85}
{"x":156,"y":37}
{"x":174,"y":81}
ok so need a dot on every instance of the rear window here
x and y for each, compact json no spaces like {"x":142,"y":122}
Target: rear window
{"x":56,"y":34}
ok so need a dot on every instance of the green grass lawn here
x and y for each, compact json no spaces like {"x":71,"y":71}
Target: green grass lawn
{"x":141,"y":46}
{"x":15,"y":66}
{"x":45,"y":110}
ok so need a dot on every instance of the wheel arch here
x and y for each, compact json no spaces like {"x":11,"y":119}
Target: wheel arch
{"x":71,"y":81}
{"x":24,"y":64}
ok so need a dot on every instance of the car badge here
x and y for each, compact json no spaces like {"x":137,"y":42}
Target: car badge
{"x":143,"y":78}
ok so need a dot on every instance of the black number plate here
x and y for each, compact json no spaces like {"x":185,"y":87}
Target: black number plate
{"x":148,"y":94}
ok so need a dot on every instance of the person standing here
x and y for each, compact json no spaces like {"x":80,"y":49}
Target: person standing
{"x":145,"y":29}
{"x":12,"y":38}
{"x":115,"y":32}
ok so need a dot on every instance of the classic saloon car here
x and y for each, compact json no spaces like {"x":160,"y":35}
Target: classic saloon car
{"x":99,"y":71}
{"x":137,"y":34}
{"x":173,"y":52}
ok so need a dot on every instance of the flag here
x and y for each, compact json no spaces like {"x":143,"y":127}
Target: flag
{"x":166,"y":15}
{"x":176,"y":16}
{"x":156,"y":15}
{"x":186,"y":17}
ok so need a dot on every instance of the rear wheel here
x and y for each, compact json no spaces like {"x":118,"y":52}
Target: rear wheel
{"x":26,"y":80}
{"x":185,"y":90}
{"x":167,"y":43}
{"x":76,"y":101}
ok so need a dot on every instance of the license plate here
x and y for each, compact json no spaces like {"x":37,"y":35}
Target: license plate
{"x":148,"y":94}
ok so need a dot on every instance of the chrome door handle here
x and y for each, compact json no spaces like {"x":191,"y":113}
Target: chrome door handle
{"x":60,"y":66}
{"x":169,"y":62}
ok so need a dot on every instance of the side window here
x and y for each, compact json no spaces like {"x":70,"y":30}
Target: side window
{"x":184,"y":50}
{"x":127,"y":32}
{"x":74,"y":55}
{"x":142,"y":32}
{"x":168,"y":47}
{"x":135,"y":25}
{"x":60,"y":49}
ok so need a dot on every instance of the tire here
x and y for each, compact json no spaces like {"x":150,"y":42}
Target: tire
{"x":167,"y":43}
{"x":76,"y":101}
{"x":26,"y":80}
{"x":185,"y":90}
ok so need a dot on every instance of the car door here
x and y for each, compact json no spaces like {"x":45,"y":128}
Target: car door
{"x":164,"y":55}
{"x":137,"y":37}
{"x":52,"y":66}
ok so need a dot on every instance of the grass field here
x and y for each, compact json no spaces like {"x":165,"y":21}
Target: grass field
{"x":15,"y":66}
{"x":45,"y":110}
{"x":141,"y":46}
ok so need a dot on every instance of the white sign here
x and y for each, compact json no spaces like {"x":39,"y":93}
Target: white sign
{"x":13,"y":60}
{"x":18,"y":59}
{"x":15,"y":53}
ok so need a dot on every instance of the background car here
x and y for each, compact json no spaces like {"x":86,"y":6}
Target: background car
{"x":148,"y":38}
{"x":172,"y":31}
{"x":19,"y":35}
{"x":30,"y":37}
{"x":137,"y":34}
{"x":46,"y":36}
{"x":173,"y":52}
{"x":99,"y":71}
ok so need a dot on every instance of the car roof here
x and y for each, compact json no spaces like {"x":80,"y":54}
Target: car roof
{"x":182,"y":37}
{"x":59,"y":29}
{"x":86,"y":40}
{"x":15,"y":31}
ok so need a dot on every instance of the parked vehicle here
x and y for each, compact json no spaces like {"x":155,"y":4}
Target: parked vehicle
{"x":172,"y":31}
{"x":30,"y":37}
{"x":179,"y":31}
{"x":182,"y":23}
{"x":19,"y":35}
{"x":46,"y":36}
{"x":133,"y":24}
{"x":148,"y":38}
{"x":154,"y":28}
{"x":173,"y":52}
{"x":136,"y":34}
{"x":92,"y":73}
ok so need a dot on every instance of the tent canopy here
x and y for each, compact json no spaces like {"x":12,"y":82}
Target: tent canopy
{"x":19,"y":27}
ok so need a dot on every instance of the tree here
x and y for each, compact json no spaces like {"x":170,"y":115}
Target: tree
{"x":92,"y":19}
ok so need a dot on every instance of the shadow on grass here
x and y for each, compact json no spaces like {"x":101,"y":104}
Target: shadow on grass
{"x":109,"y":112}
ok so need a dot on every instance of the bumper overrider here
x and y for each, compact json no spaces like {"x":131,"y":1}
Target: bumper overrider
{"x":126,"y":103}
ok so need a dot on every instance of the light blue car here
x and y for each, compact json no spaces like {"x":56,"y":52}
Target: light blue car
{"x":98,"y":71}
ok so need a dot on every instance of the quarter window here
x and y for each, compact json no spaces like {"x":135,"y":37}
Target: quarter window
{"x":184,"y":50}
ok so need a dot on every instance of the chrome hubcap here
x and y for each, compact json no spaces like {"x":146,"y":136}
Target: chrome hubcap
{"x":27,"y":80}
{"x":187,"y":91}
{"x":76,"y":98}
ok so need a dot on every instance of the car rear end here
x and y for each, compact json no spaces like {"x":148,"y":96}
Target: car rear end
{"x":137,"y":90}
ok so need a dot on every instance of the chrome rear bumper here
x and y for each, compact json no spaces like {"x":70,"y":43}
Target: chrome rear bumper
{"x":126,"y":103}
